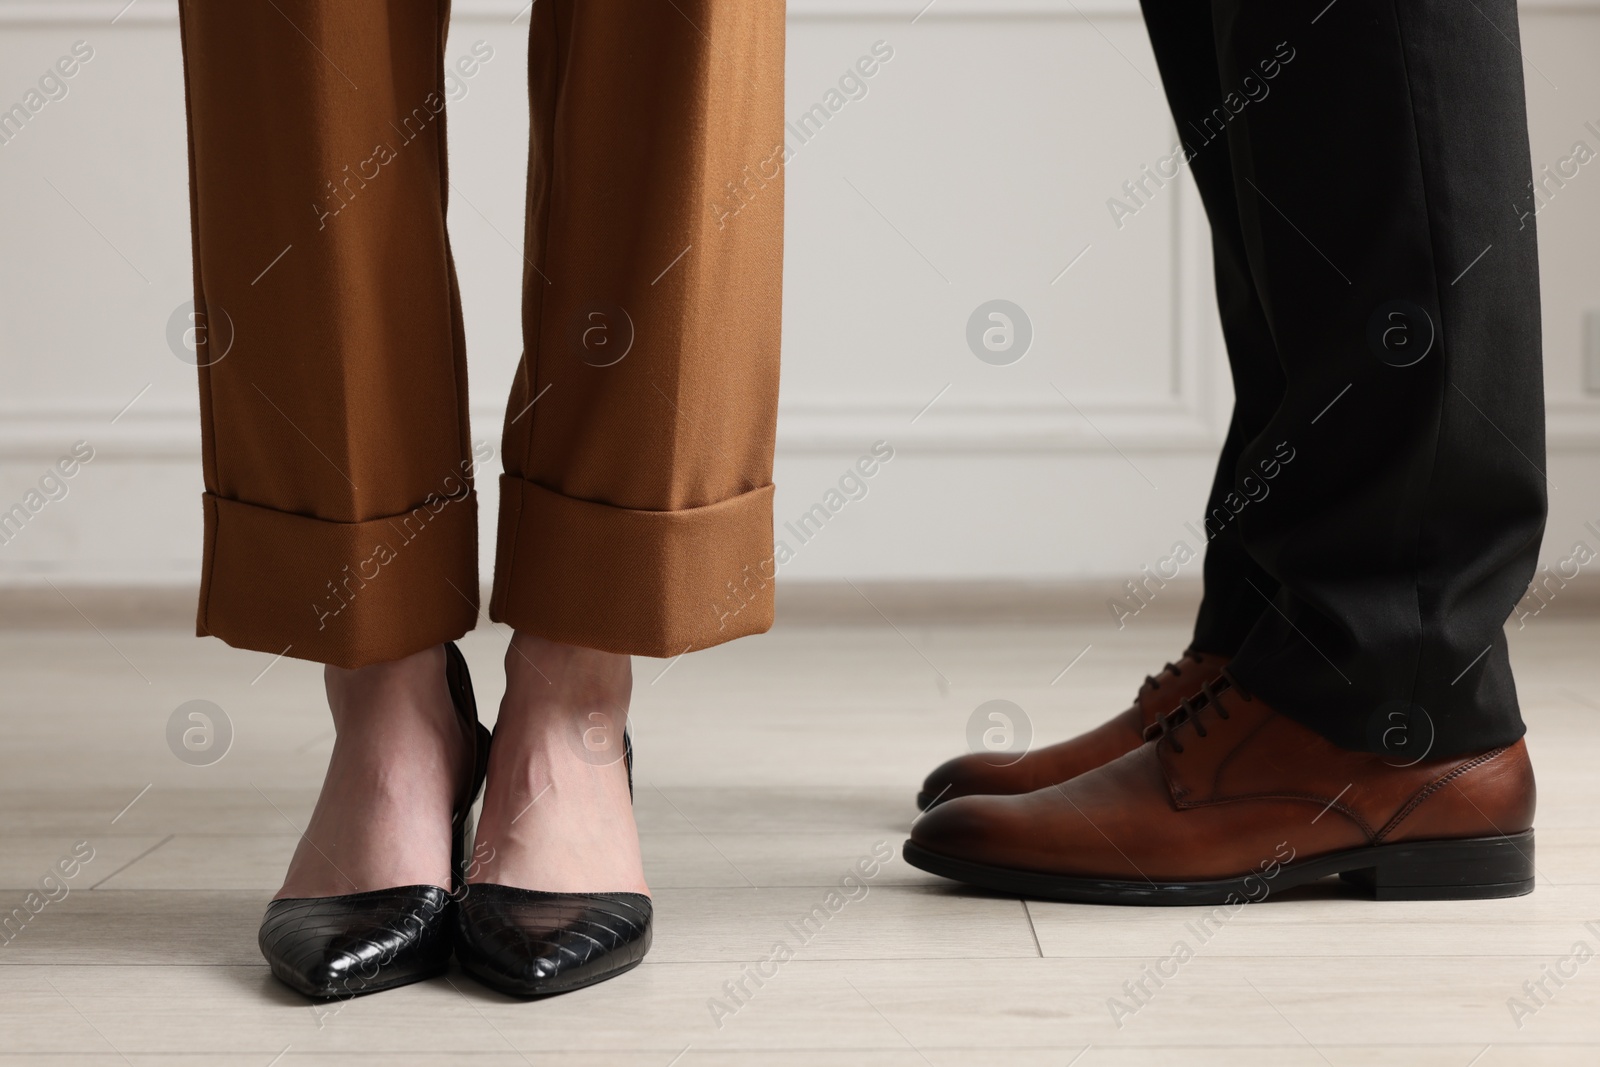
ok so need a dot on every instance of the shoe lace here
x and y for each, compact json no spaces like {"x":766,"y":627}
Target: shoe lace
{"x":1189,"y":711}
{"x":1154,"y":680}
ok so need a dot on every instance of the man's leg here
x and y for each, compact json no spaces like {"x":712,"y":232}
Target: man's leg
{"x":1180,"y":33}
{"x":1367,"y":726}
{"x":1374,"y":189}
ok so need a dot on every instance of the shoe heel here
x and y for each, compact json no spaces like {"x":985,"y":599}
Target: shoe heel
{"x":459,"y":679}
{"x":627,"y":755}
{"x":1477,"y":868}
{"x":460,"y":862}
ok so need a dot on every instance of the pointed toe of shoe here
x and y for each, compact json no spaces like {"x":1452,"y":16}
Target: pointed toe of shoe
{"x":359,"y":943}
{"x":528,"y":943}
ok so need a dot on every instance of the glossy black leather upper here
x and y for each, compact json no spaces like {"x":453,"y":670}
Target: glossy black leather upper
{"x":530,"y":943}
{"x":343,"y":946}
{"x":358,"y":943}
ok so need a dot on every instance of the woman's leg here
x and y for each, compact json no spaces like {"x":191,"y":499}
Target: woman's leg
{"x":636,"y":508}
{"x":340,"y":522}
{"x":399,"y":759}
{"x":557,"y":814}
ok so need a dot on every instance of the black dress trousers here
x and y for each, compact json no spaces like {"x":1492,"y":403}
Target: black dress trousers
{"x":1380,"y":499}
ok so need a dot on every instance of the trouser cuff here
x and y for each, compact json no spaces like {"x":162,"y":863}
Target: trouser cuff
{"x":346,"y":593}
{"x":644,"y":583}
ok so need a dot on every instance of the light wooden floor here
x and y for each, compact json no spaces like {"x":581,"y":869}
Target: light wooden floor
{"x":766,"y":768}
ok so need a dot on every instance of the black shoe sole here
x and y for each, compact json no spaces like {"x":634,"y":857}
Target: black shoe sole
{"x":1477,"y":868}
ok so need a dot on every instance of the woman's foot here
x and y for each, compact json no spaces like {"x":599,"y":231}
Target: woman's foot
{"x":557,"y":813}
{"x":399,"y":759}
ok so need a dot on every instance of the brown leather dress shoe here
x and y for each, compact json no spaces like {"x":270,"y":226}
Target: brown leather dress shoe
{"x":1230,"y":802}
{"x":984,"y":773}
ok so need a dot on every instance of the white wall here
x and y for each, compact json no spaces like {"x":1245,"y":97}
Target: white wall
{"x":977,"y":167}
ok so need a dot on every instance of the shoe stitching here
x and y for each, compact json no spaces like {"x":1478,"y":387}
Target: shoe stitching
{"x":1433,"y":787}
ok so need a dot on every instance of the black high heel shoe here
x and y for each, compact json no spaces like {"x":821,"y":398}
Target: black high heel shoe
{"x":359,"y":943}
{"x":529,"y":943}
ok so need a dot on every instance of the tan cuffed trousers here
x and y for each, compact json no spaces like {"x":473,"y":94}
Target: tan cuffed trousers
{"x":340,"y":520}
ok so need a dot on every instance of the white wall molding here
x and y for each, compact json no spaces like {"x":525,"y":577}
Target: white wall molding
{"x":1047,"y":425}
{"x":1042,"y":424}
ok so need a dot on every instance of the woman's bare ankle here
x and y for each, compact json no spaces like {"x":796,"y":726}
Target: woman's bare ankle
{"x":549,"y":678}
{"x":557,"y":815}
{"x":384,"y":814}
